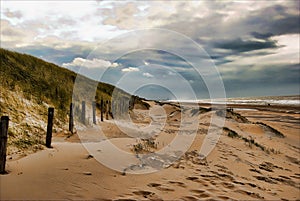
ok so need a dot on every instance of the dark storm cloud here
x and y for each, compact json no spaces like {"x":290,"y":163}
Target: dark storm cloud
{"x":261,"y":35}
{"x":273,"y":78}
{"x":221,"y":61}
{"x":152,"y":56}
{"x":261,"y":24}
{"x":276,"y":20}
{"x":57,"y":56}
{"x":239,"y":45}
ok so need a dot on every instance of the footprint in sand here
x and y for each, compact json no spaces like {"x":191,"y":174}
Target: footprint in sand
{"x":228,"y":185}
{"x":265,"y":179}
{"x":153,"y":185}
{"x":224,"y":158}
{"x":285,"y":177}
{"x":252,"y":185}
{"x":203,"y":195}
{"x":255,"y":170}
{"x":159,"y":187}
{"x":221,"y":166}
{"x":192,"y":178}
{"x":178,"y":183}
{"x":200,"y":193}
{"x":196,"y":179}
{"x":251,"y":194}
{"x":238,"y":182}
{"x":189,"y":198}
{"x":209,"y":177}
{"x":197,"y":191}
{"x":225,"y":171}
{"x":145,"y":194}
{"x":166,"y":189}
{"x":223,"y":197}
{"x":225,"y":176}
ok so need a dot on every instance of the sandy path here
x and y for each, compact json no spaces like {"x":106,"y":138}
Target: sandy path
{"x":234,"y":170}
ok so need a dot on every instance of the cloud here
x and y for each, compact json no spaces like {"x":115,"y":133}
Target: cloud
{"x":148,"y":75}
{"x":261,"y":35}
{"x":239,"y":45}
{"x":12,"y":14}
{"x":94,"y":63}
{"x":275,"y":19}
{"x":121,"y":16}
{"x":265,"y":34}
{"x":12,"y":36}
{"x":130,"y":69}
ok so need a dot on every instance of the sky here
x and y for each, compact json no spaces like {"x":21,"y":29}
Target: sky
{"x":165,"y":49}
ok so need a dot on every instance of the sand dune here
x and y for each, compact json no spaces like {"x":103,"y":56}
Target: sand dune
{"x":236,"y":169}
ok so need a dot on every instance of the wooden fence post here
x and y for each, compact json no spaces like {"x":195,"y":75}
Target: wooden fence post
{"x":109,"y":109}
{"x":94,"y":112}
{"x":116,"y":107}
{"x":71,"y":120}
{"x":106,"y":110}
{"x":101,"y":109}
{"x":120,"y":107}
{"x":3,"y":142}
{"x":83,"y":112}
{"x":123,"y":106}
{"x":49,"y":127}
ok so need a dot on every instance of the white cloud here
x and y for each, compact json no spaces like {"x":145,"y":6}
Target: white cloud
{"x":94,"y":63}
{"x":148,"y":75}
{"x":114,"y":65}
{"x":75,"y":21}
{"x":130,"y":69}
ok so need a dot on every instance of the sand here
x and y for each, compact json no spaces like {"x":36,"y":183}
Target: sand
{"x":234,"y":170}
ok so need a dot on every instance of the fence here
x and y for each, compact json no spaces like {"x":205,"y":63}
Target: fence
{"x":119,"y":107}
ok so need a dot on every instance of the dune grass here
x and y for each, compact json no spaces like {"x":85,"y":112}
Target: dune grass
{"x":30,"y":85}
{"x":249,"y":141}
{"x":273,"y":130}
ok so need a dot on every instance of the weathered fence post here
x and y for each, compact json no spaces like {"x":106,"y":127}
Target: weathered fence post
{"x":109,"y":109}
{"x":71,"y":120}
{"x":106,"y":110}
{"x":83,"y":112}
{"x":3,"y":142}
{"x":101,"y":109}
{"x":123,"y":106}
{"x":49,"y":126}
{"x":116,"y":107}
{"x":120,"y":107}
{"x":94,"y":112}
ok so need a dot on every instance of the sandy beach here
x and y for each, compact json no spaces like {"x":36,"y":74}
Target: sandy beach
{"x":267,"y":167}
{"x":150,"y":100}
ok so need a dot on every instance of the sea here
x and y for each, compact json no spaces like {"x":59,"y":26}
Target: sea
{"x":293,"y":100}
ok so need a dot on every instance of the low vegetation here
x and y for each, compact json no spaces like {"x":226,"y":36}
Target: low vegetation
{"x":250,"y":141}
{"x":231,"y":133}
{"x":271,"y":129}
{"x":30,"y":85}
{"x":145,"y":146}
{"x":200,"y":110}
{"x":230,"y":114}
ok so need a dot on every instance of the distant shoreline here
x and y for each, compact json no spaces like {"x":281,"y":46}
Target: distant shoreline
{"x":293,"y":100}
